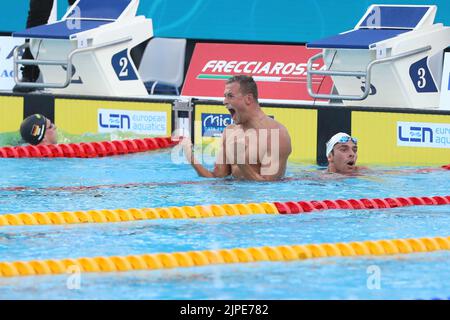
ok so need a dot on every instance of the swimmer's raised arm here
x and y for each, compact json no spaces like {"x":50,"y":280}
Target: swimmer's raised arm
{"x":221,"y":169}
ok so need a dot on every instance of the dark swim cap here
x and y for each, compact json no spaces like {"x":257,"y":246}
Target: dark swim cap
{"x":33,"y":129}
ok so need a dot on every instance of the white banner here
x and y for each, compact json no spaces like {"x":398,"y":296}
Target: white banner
{"x":7,"y":45}
{"x":445,"y":88}
{"x":420,"y":134}
{"x":141,"y":122}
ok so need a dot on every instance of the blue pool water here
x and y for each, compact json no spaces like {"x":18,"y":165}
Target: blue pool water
{"x":152,"y":180}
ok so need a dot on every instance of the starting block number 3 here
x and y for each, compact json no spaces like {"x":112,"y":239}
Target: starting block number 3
{"x":421,"y":76}
{"x":122,"y":66}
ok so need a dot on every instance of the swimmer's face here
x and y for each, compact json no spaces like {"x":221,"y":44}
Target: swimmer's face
{"x":235,"y":102}
{"x":50,"y":133}
{"x":344,"y":157}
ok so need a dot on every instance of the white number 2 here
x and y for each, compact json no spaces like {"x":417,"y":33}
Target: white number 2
{"x":123,"y":62}
{"x":422,"y":81}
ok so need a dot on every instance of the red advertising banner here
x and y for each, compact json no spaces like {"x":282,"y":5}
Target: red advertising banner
{"x":279,"y":70}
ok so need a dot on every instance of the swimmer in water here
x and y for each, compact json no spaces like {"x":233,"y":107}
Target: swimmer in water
{"x":38,"y":130}
{"x":342,"y":154}
{"x":255,"y":147}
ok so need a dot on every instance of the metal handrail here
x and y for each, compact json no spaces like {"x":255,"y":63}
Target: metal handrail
{"x":362,"y":74}
{"x":64,"y":63}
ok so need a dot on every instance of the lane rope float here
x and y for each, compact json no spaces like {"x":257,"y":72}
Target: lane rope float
{"x":87,"y":149}
{"x":224,"y":256}
{"x":215,"y":210}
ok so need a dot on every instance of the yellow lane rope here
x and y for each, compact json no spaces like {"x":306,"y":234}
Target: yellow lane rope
{"x":119,"y":215}
{"x":223,"y":256}
{"x":207,"y":211}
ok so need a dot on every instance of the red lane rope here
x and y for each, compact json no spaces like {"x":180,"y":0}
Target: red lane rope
{"x":292,"y":207}
{"x":87,"y":149}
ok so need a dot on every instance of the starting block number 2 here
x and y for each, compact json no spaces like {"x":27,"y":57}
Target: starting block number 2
{"x":123,"y":62}
{"x":123,"y":67}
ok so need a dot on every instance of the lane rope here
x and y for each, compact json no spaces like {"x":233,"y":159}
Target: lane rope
{"x":223,"y":256}
{"x":87,"y":149}
{"x":215,"y":210}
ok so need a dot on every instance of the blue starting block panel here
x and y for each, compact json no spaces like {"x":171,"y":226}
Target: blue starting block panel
{"x":99,"y":9}
{"x":357,"y":39}
{"x":60,"y":30}
{"x":378,"y":24}
{"x":84,"y":15}
{"x":396,"y":17}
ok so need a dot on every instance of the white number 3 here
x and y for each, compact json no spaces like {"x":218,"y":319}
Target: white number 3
{"x":422,"y":81}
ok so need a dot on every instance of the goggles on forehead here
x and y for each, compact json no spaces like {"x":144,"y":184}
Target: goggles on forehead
{"x":340,"y":137}
{"x":346,"y":139}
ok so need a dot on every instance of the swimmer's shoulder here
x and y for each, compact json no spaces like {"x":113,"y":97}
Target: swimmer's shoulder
{"x":278,"y":125}
{"x":232,"y":127}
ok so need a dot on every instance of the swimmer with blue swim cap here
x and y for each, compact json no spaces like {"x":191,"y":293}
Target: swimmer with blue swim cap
{"x":37,"y":129}
{"x":342,"y":153}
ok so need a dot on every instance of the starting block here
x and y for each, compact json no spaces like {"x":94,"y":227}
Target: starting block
{"x":87,"y":52}
{"x":392,"y":58}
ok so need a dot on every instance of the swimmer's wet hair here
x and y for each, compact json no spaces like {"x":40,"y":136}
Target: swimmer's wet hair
{"x":247,"y":85}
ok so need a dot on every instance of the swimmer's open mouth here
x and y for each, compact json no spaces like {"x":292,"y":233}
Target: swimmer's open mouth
{"x":232,"y":112}
{"x":351,"y":163}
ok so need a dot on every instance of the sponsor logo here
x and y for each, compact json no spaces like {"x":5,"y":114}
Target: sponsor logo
{"x":262,"y":71}
{"x":5,"y":73}
{"x":8,"y":72}
{"x":416,"y":134}
{"x":7,"y":44}
{"x":142,"y":122}
{"x":279,"y":70}
{"x":213,"y":124}
{"x":11,"y":53}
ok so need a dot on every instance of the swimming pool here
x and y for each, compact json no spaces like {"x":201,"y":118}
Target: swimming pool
{"x":152,"y":180}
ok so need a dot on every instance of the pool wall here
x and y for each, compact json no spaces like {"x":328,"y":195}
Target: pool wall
{"x":379,"y":130}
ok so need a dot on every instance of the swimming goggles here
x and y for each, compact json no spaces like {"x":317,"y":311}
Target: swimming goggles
{"x":346,"y":139}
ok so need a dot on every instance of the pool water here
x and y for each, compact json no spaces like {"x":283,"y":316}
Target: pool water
{"x":152,"y":180}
